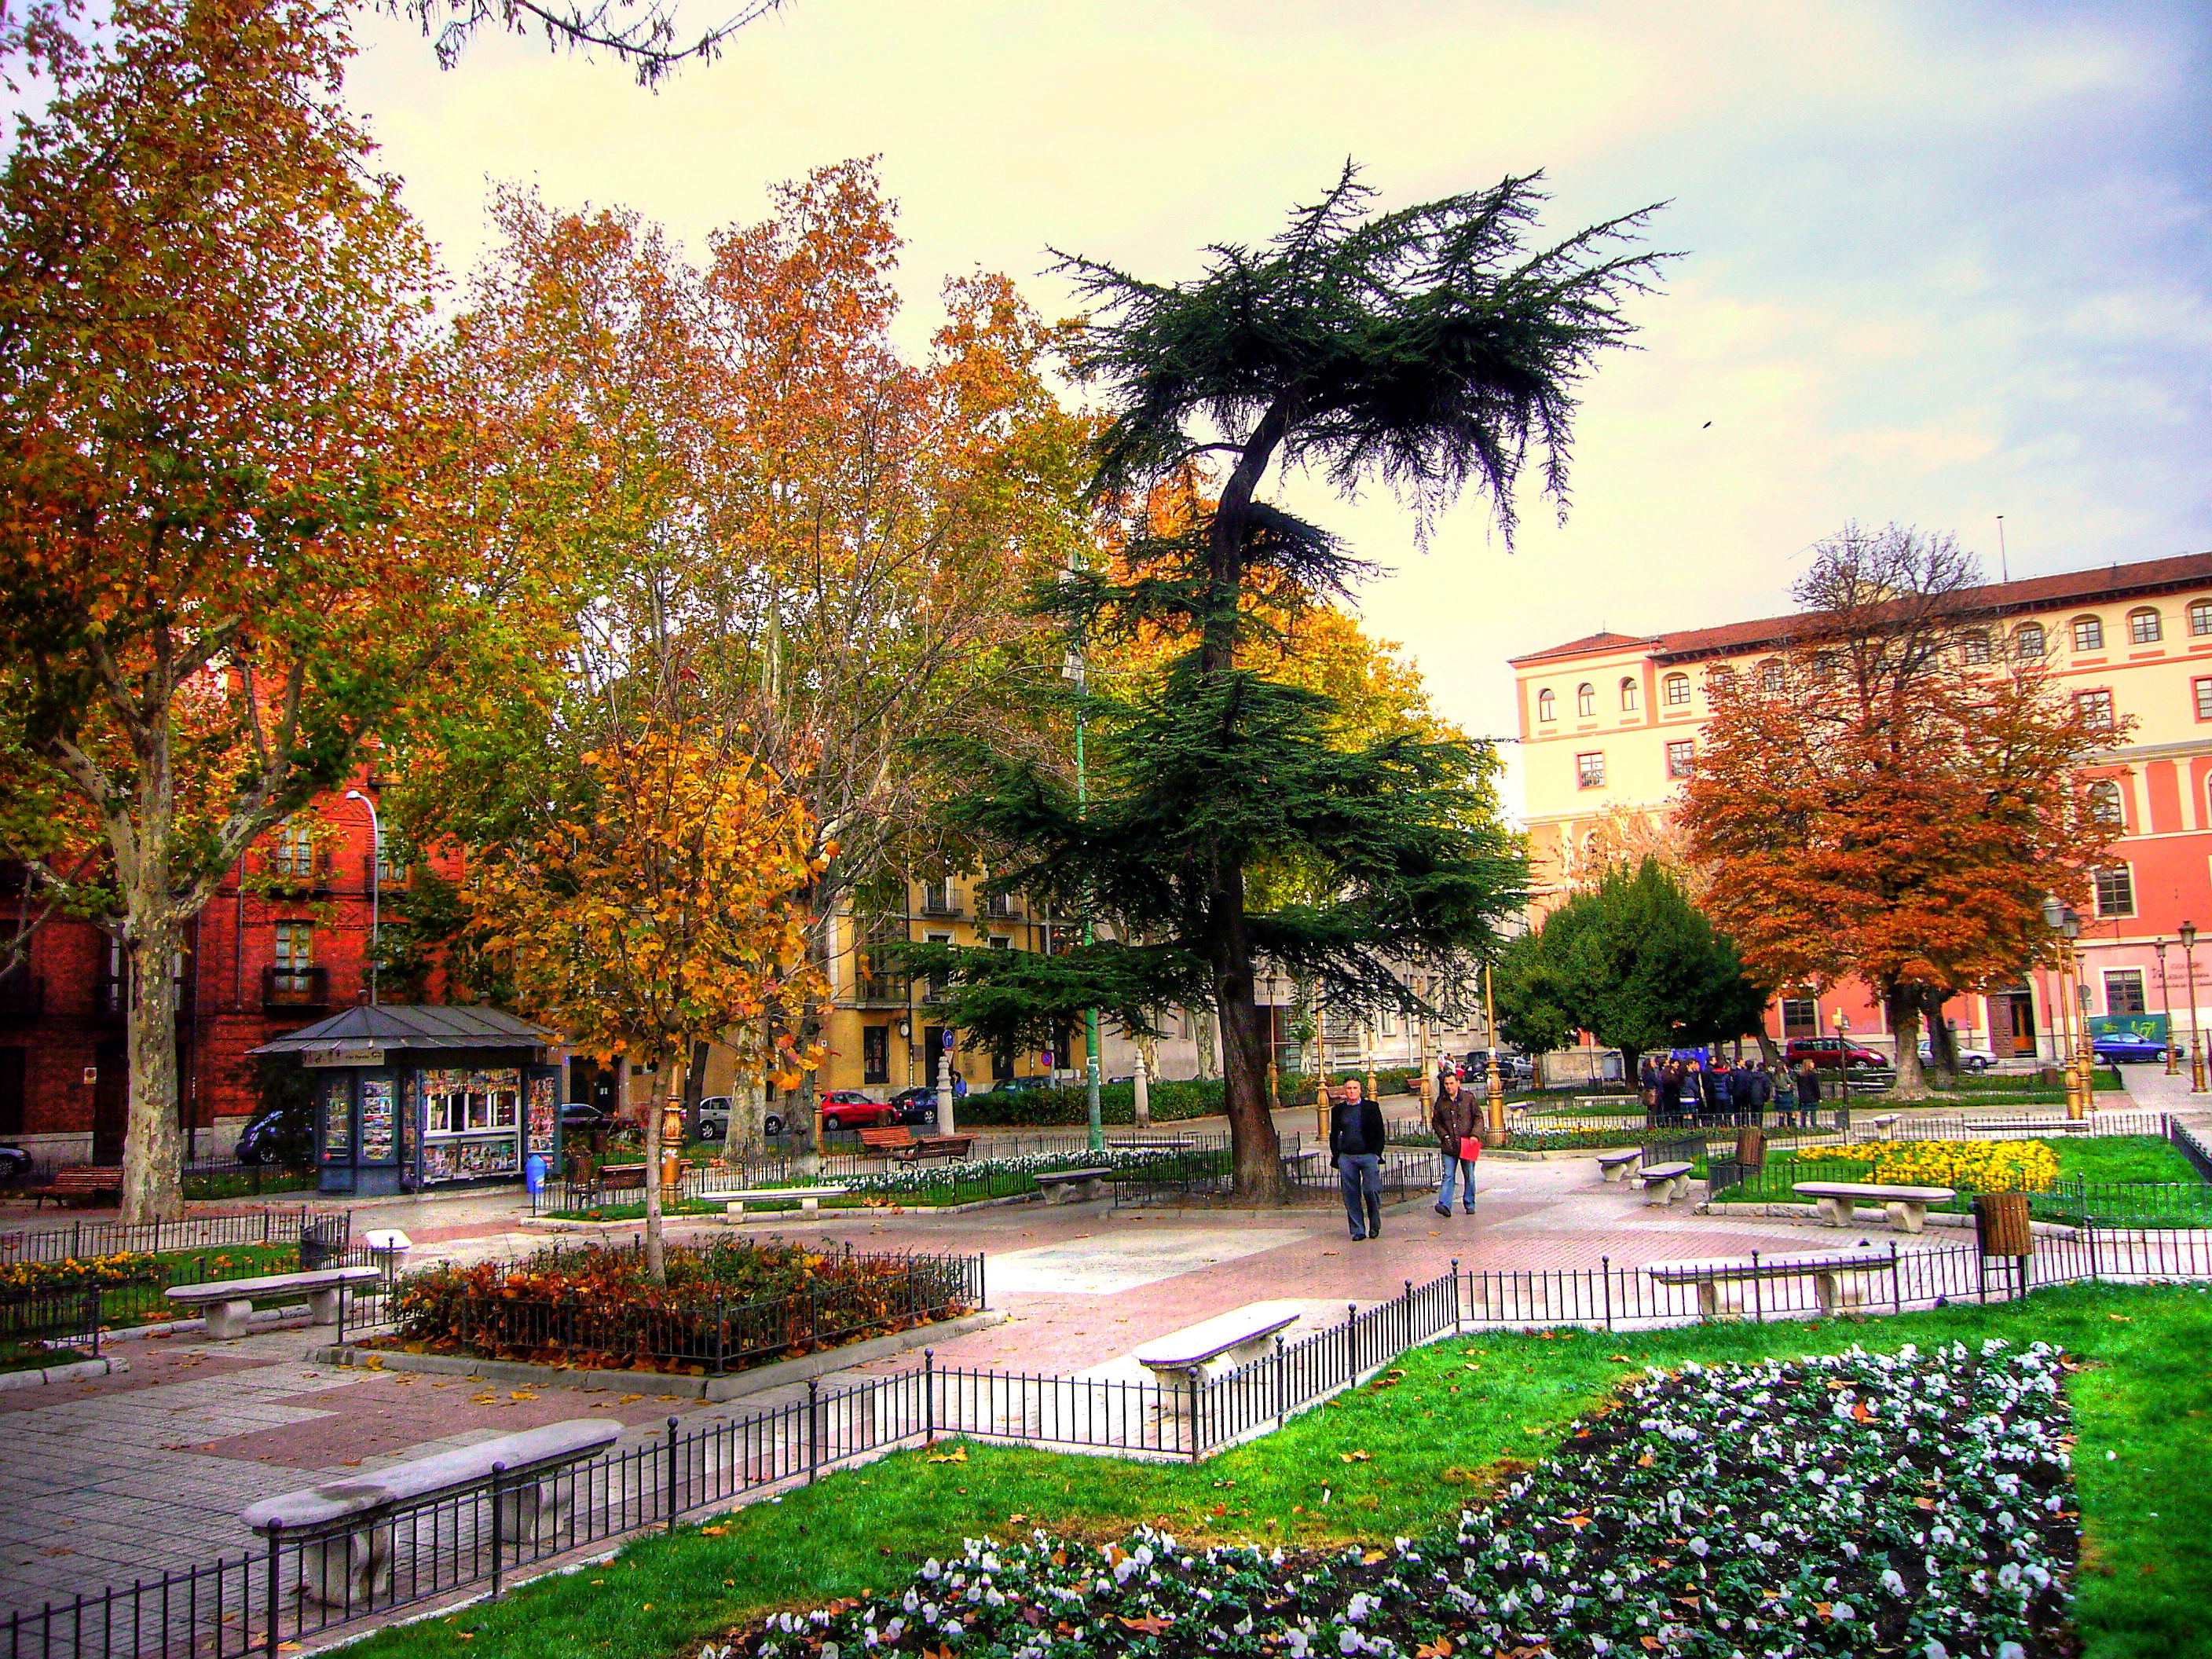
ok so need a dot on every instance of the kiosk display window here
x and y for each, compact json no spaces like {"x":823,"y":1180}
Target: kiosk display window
{"x":472,"y":1123}
{"x":337,"y":1118}
{"x":379,"y":1119}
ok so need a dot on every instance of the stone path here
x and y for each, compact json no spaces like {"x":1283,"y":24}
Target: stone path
{"x":103,"y":1482}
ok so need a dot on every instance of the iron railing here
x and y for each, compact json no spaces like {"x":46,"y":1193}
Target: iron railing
{"x":79,"y":1240}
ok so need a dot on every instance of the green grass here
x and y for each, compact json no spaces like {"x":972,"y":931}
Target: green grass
{"x":2122,"y":1158}
{"x":1463,"y":1414}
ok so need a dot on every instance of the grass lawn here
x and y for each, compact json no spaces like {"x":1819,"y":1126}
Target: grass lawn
{"x":2122,"y":1158}
{"x":1460,"y":1417}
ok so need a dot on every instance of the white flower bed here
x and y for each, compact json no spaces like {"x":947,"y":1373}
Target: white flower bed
{"x":1916,"y":1504}
{"x":916,"y":1179}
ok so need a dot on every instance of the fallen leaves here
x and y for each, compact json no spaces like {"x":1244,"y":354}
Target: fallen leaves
{"x":1355,"y":1457}
{"x":958,"y":1454}
{"x":1151,"y":1624}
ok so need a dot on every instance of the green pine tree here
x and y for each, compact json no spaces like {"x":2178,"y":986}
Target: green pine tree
{"x":1428,"y":348}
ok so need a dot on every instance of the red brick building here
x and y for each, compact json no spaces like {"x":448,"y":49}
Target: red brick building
{"x":283,"y":943}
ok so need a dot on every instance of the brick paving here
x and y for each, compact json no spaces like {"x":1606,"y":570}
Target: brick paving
{"x":103,"y":1482}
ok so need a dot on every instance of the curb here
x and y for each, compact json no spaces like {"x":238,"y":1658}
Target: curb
{"x":736,"y":1385}
{"x":78,"y":1371}
{"x":1870,"y":1214}
{"x":546,"y":1224}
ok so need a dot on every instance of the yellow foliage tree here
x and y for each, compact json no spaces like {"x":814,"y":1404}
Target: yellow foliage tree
{"x":663,"y":906}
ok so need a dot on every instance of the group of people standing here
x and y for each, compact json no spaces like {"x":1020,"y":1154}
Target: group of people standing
{"x":1357,"y":1138}
{"x":1684,"y":1089}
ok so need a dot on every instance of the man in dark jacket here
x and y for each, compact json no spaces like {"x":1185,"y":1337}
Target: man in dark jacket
{"x":1453,"y":1122}
{"x":1356,"y":1139}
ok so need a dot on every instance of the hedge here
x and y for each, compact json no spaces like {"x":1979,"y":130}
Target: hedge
{"x":1171,"y":1101}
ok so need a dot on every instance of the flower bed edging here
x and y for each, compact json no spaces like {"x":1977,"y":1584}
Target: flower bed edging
{"x":734,"y":1386}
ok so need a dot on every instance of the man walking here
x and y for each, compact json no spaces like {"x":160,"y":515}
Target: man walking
{"x":1453,"y":1120}
{"x":1356,"y":1139}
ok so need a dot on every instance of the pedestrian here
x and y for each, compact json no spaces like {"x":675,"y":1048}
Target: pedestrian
{"x":1356,"y":1139}
{"x":1647,"y":1081}
{"x":1761,"y":1084}
{"x":1694,"y":1088}
{"x":1744,"y":1095}
{"x":1453,"y":1120}
{"x":1670,"y":1091}
{"x":1808,"y":1094}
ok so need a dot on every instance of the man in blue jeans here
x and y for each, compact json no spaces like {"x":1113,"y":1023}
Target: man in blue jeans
{"x":1453,"y":1122}
{"x":1356,"y":1139}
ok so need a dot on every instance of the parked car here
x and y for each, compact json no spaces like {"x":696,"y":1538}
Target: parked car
{"x":848,"y":1109}
{"x":914,"y":1106}
{"x":581,"y":1117}
{"x":16,"y":1165}
{"x":1972,"y":1059}
{"x":1823,"y":1051}
{"x":279,"y":1134}
{"x":1022,"y":1085}
{"x":2119,"y":1047}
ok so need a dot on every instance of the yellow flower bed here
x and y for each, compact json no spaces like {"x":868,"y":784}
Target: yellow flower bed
{"x":122,"y":1268}
{"x":1974,"y":1166}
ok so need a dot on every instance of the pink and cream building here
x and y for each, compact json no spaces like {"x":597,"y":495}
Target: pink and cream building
{"x":1610,"y":726}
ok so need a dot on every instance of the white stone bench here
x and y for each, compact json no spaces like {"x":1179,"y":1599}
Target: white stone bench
{"x":1906,"y":1206}
{"x":229,"y":1304}
{"x":808,"y":1198}
{"x":1614,"y":1166}
{"x":1887,"y":1124}
{"x":1665,"y":1181}
{"x":1073,"y":1186}
{"x":348,"y":1535}
{"x":1218,"y":1345}
{"x":1838,"y":1277}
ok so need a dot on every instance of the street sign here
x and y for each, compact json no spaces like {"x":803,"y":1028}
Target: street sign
{"x":344,"y":1053}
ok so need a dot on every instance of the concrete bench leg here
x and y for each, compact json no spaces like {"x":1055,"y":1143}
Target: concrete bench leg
{"x":228,"y":1321}
{"x":1616,"y":1172}
{"x":323,"y":1304}
{"x":736,"y":1207}
{"x":809,"y":1203}
{"x":1835,"y":1211}
{"x":351,"y":1569}
{"x":1906,"y":1218}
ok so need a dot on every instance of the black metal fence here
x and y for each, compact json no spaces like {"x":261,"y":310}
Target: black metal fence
{"x":78,"y":1240}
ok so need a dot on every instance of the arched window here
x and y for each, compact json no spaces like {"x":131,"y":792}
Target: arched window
{"x":1677,"y":691}
{"x":2089,"y":633}
{"x":1772,"y":677}
{"x":1585,"y":700}
{"x":1547,"y":706}
{"x":1825,"y":666}
{"x":2105,"y":802}
{"x":1628,"y":696}
{"x":2200,"y":617}
{"x":1722,"y":679}
{"x":1974,"y":647}
{"x":2028,"y":640}
{"x":2144,"y":627}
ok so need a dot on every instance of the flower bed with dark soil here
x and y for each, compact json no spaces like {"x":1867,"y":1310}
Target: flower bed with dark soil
{"x":1917,"y":1503}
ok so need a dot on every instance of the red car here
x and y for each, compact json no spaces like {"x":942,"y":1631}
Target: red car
{"x":848,"y":1109}
{"x":1822,"y":1051}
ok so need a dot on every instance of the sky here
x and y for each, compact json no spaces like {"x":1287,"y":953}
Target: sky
{"x":1938,"y":262}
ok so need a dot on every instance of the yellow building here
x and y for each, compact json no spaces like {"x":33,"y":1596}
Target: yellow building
{"x":1610,"y":724}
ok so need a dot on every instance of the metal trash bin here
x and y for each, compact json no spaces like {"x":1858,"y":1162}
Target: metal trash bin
{"x":2002,"y":1225}
{"x":1751,"y":1147}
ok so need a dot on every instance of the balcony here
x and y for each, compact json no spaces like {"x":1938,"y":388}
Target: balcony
{"x":1002,"y":907}
{"x":22,"y":994}
{"x":939,"y":903}
{"x":880,"y":991}
{"x":295,"y":988}
{"x":298,"y":874}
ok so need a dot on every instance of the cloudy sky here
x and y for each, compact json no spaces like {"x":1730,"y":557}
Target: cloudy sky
{"x":1940,"y":261}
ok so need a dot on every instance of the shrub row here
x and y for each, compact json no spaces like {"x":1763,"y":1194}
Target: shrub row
{"x":1171,"y":1102}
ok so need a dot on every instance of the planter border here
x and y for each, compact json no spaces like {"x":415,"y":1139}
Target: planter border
{"x":81,"y":1370}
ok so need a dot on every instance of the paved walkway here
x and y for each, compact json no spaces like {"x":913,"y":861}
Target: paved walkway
{"x":103,"y":1482}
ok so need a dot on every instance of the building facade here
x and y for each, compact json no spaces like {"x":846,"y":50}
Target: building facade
{"x":1610,"y":728}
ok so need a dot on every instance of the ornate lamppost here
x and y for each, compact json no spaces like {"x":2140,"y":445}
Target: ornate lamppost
{"x":1496,"y":1112}
{"x":2196,"y":1040}
{"x":2166,"y":1003}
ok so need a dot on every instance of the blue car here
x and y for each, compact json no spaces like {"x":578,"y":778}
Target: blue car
{"x":2121,"y":1046}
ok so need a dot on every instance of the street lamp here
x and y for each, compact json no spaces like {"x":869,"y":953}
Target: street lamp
{"x":1497,"y":1103}
{"x":2059,"y":917}
{"x":2196,"y":1040}
{"x":375,"y":884}
{"x":2166,"y":1002}
{"x":1074,"y":670}
{"x":1274,"y":1042}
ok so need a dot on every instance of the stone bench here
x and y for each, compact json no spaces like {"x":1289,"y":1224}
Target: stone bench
{"x":1838,"y":1277}
{"x":1906,"y":1206}
{"x":1667,"y":1180}
{"x":1221,"y":1344}
{"x":229,"y":1302}
{"x":349,"y":1531}
{"x":1073,"y":1186}
{"x":1885,"y":1125}
{"x":1615,"y":1166}
{"x":808,"y":1198}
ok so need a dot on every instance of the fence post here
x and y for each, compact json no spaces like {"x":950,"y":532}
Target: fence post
{"x":672,"y":1474}
{"x":1196,"y":1437}
{"x":722,"y":1338}
{"x":1896,"y":1291}
{"x":1758,"y":1314}
{"x":2089,"y":1226}
{"x":929,"y":1396}
{"x":813,"y":1428}
{"x":92,"y":1315}
{"x":1282,"y":1387}
{"x":275,"y":1545}
{"x":1456,"y":1322}
{"x":1352,"y":1343}
{"x":498,"y":1528}
{"x":1604,"y":1274}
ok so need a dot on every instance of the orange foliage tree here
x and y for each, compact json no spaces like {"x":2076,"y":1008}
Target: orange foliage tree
{"x":1896,"y":800}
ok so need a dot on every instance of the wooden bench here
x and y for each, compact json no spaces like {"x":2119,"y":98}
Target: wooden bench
{"x":1073,"y":1186}
{"x":808,"y":1198}
{"x":1615,"y":1166}
{"x":618,"y":1178}
{"x":1906,"y":1206}
{"x":84,"y":1184}
{"x":1668,"y":1181}
{"x":229,"y":1302}
{"x":1838,"y":1277}
{"x":903,"y":1144}
{"x":1221,"y":1344}
{"x":346,"y":1530}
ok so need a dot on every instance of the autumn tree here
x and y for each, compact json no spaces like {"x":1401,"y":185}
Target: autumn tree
{"x":656,"y":904}
{"x":1896,"y":803}
{"x":232,"y":546}
{"x":1630,"y":961}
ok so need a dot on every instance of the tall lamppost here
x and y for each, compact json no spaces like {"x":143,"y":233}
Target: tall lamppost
{"x":2196,"y":1040}
{"x":1074,"y":670}
{"x":1275,"y":1049}
{"x":2084,"y":1061}
{"x":375,"y":884}
{"x":2166,"y":1002}
{"x":1496,"y":1111}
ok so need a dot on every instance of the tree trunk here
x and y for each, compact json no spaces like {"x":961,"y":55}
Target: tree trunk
{"x":1252,"y":1146}
{"x":656,"y":1261}
{"x":153,"y":1148}
{"x":1902,"y":1003}
{"x":1942,"y":1042}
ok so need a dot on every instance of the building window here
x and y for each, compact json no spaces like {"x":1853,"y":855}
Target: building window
{"x":1628,"y":696}
{"x":2124,"y":991}
{"x":1974,"y":647}
{"x":1801,"y":1018}
{"x":1680,"y":756}
{"x":1586,"y":700}
{"x":2203,"y":690}
{"x":1547,"y":706}
{"x":2115,"y":891}
{"x":293,"y":853}
{"x":938,"y":899}
{"x":1386,"y":1023}
{"x":391,"y":862}
{"x":1771,"y":675}
{"x":296,"y":946}
{"x":1589,"y":771}
{"x":2088,"y":634}
{"x":2028,"y":640}
{"x":2200,"y":617}
{"x":938,"y":984}
{"x":1721,"y":681}
{"x":875,"y":1054}
{"x":1824,"y":667}
{"x":2095,"y":709}
{"x":2144,"y":627}
{"x":1677,"y":691}
{"x":2104,"y":803}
